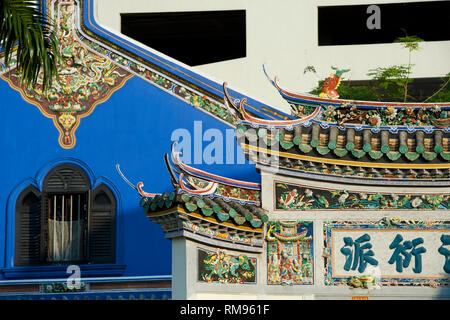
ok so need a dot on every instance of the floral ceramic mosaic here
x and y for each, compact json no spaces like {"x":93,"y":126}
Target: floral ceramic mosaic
{"x":380,"y":117}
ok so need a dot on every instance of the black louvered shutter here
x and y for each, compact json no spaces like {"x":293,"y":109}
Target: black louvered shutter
{"x":45,"y":203}
{"x":102,"y":226}
{"x":28,"y":229}
{"x":66,"y":178}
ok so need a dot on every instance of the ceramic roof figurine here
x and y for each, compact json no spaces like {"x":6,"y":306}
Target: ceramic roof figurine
{"x":203,"y":204}
{"x":362,"y":140}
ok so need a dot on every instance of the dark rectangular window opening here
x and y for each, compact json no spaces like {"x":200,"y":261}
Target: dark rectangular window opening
{"x":194,"y":38}
{"x":349,"y":25}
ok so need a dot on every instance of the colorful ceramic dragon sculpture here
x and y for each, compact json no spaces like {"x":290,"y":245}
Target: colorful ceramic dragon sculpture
{"x":332,"y":83}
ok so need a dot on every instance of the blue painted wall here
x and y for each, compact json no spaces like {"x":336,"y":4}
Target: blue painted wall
{"x":132,"y":128}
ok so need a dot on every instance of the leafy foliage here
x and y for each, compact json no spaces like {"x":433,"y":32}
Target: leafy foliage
{"x":389,"y":83}
{"x":392,"y":81}
{"x":24,"y":28}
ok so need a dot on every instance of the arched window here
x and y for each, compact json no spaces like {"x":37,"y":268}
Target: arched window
{"x":67,"y":222}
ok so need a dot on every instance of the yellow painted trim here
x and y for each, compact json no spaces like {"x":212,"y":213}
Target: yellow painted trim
{"x":359,"y":298}
{"x":346,"y":162}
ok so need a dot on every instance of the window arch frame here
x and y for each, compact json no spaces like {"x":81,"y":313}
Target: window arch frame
{"x":112,"y":268}
{"x":57,"y":171}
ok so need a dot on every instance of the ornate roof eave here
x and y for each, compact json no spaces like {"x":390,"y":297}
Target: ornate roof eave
{"x":295,"y":162}
{"x":179,"y":222}
{"x":206,"y":207}
{"x":352,"y":145}
{"x":242,"y":116}
{"x":173,"y":76}
{"x":188,"y":170}
{"x":302,"y":98}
